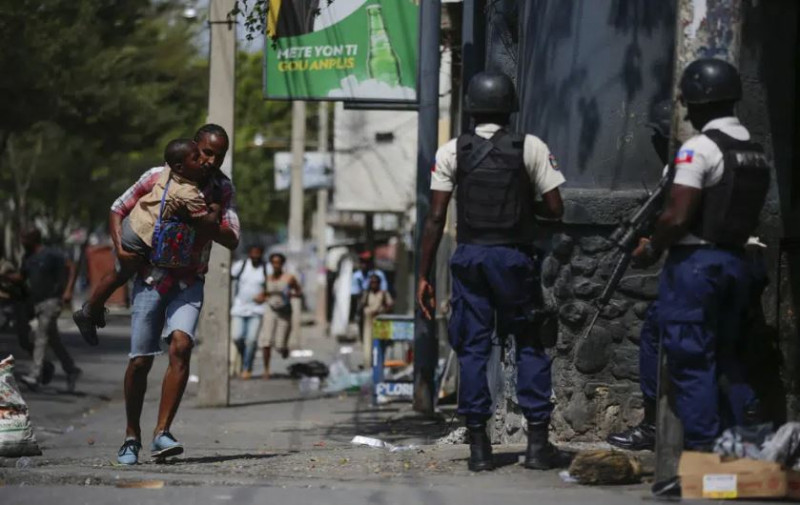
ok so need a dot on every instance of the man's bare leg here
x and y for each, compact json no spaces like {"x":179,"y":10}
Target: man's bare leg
{"x":175,"y":379}
{"x":135,"y":388}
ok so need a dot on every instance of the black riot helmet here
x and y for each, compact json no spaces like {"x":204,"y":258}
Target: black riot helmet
{"x":491,"y":93}
{"x":710,"y":80}
{"x":660,"y":118}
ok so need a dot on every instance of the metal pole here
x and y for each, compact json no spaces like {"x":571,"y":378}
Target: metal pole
{"x":296,"y":188}
{"x":426,"y":344}
{"x":704,"y":29}
{"x":214,"y":327}
{"x":322,"y":225}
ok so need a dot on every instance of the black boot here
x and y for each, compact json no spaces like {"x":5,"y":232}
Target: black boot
{"x":541,"y":454}
{"x":480,"y":449}
{"x":641,"y":437}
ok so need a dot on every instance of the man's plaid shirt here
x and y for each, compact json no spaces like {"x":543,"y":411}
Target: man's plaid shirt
{"x":218,"y":190}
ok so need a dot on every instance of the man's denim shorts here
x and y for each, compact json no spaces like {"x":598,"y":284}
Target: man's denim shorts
{"x":155,"y":316}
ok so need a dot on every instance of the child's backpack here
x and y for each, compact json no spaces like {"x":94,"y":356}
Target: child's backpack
{"x":173,"y":239}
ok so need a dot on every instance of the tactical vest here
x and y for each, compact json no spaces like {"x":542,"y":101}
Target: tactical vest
{"x":494,"y":196}
{"x":730,"y":209}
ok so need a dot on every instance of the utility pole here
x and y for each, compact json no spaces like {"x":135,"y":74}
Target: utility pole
{"x":296,"y":207}
{"x":214,"y":328}
{"x":704,"y":29}
{"x":296,"y":188}
{"x":322,"y":226}
{"x":426,"y":343}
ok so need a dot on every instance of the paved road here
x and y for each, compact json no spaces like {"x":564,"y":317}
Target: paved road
{"x":273,"y":445}
{"x":336,"y":494}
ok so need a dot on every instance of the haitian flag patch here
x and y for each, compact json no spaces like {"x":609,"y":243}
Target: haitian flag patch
{"x":684,"y":156}
{"x":553,"y":162}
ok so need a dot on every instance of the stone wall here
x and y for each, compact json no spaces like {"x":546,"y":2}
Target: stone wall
{"x":595,"y":376}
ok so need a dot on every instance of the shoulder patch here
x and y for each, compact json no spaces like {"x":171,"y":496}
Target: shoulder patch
{"x":553,"y":162}
{"x":684,"y":156}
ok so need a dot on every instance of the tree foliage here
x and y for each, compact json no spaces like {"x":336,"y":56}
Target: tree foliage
{"x":91,"y":90}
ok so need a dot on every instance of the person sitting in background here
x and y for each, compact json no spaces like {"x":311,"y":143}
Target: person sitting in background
{"x":176,"y":194}
{"x":374,"y":301}
{"x":250,"y":275}
{"x":277,"y":321}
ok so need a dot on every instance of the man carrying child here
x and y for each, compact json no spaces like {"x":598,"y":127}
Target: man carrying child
{"x":167,"y":301}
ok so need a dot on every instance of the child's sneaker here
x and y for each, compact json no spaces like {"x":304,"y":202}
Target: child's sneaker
{"x":88,"y":323}
{"x":86,"y":326}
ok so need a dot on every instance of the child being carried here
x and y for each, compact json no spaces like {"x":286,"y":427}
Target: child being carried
{"x":183,"y":200}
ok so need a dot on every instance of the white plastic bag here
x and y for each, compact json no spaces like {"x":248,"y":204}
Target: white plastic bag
{"x":16,"y":433}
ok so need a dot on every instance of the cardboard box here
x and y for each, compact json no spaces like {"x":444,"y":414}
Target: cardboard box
{"x":705,"y":475}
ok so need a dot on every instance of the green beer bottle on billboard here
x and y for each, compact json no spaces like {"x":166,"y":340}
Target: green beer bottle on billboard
{"x":382,"y":64}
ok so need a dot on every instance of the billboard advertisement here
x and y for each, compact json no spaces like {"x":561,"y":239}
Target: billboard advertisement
{"x":342,"y":50}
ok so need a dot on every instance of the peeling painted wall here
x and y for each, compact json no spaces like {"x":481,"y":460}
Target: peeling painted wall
{"x":589,"y":72}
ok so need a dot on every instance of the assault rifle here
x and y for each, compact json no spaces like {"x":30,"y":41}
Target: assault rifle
{"x":626,"y":238}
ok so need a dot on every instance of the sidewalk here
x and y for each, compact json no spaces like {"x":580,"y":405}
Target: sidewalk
{"x":276,"y":443}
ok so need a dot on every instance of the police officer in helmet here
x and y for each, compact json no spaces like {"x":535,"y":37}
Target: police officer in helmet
{"x":720,"y":183}
{"x":502,"y":181}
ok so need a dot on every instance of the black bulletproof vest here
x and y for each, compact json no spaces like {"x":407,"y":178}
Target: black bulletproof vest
{"x":730,"y":209}
{"x":493,"y":191}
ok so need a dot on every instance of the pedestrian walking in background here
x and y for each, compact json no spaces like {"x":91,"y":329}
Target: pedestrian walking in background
{"x":374,"y":301}
{"x":49,"y":278}
{"x":277,"y":322}
{"x":250,"y":275}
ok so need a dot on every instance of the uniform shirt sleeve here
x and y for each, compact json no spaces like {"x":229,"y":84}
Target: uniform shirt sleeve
{"x":443,"y":176}
{"x":695,"y":161}
{"x":127,"y":201}
{"x":541,"y":165}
